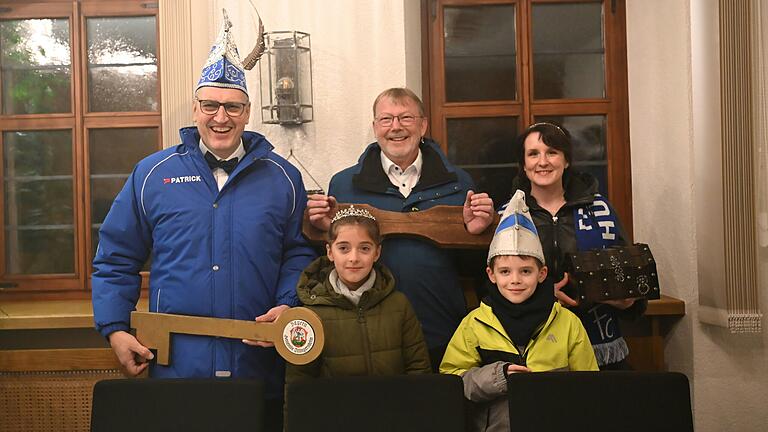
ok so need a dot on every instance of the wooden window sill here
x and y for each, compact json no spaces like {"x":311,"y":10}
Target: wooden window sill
{"x":54,"y":314}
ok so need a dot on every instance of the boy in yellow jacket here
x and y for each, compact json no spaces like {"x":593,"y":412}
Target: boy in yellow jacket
{"x":518,"y":328}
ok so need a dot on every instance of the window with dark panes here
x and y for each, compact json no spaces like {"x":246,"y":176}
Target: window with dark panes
{"x":80,"y":98}
{"x":496,"y":66}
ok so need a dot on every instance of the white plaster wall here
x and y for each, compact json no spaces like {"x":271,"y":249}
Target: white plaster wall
{"x":358,"y":49}
{"x":673,"y":89}
{"x":708,"y":160}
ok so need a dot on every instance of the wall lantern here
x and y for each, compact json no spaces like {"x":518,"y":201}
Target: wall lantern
{"x":286,"y":78}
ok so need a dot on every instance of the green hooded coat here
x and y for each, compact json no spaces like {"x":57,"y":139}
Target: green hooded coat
{"x":379,"y":336}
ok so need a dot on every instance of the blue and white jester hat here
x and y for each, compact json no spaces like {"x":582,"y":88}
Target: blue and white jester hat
{"x":516,"y":233}
{"x":223,"y":67}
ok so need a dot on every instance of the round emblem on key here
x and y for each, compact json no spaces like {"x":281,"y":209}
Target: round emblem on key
{"x":299,"y":336}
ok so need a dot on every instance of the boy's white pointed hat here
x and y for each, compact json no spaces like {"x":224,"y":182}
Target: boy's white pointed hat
{"x":516,"y":233}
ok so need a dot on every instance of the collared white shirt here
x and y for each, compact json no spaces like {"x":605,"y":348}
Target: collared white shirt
{"x":405,"y":180}
{"x":219,"y":174}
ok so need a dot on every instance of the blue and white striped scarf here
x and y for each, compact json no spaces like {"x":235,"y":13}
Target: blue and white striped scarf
{"x":597,"y":228}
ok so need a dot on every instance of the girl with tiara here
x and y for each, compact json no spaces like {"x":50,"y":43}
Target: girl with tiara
{"x":370,"y":328}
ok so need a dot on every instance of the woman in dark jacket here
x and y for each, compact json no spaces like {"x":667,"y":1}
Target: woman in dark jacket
{"x":571,"y":215}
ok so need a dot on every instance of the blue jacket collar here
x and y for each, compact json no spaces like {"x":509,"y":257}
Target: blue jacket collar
{"x":427,"y":143}
{"x":256,"y":146}
{"x":435,"y":170}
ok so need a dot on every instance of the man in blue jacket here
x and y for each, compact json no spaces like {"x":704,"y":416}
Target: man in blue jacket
{"x":403,"y":171}
{"x":220,"y":215}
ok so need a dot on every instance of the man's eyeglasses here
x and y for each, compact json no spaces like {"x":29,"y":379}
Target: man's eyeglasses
{"x":404,"y":119}
{"x":211,"y":107}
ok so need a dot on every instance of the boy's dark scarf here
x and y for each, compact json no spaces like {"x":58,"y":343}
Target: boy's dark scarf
{"x":521,"y":321}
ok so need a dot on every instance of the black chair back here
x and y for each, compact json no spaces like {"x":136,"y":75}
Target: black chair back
{"x":600,"y":401}
{"x":376,"y":404}
{"x":147,"y":405}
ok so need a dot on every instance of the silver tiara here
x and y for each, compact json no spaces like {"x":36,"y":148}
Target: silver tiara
{"x":352,"y":211}
{"x":546,"y":124}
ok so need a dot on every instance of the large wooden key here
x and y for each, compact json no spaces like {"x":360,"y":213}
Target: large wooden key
{"x":297,"y":333}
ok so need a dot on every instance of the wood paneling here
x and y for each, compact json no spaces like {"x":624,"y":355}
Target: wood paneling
{"x":58,"y":360}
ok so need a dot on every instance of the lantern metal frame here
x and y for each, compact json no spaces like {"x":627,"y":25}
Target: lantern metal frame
{"x":286,"y":78}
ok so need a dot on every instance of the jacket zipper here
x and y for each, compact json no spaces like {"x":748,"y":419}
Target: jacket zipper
{"x":555,"y":265}
{"x":534,"y":336}
{"x":500,"y":333}
{"x":524,"y":352}
{"x":366,"y":347}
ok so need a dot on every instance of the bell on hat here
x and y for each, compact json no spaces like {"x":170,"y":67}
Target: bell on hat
{"x":516,"y":233}
{"x":223,"y":68}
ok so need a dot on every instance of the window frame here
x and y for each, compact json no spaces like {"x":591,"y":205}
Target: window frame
{"x":615,"y":106}
{"x":80,"y":121}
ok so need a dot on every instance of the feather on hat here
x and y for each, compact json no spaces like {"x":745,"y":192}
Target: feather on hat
{"x":223,"y":68}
